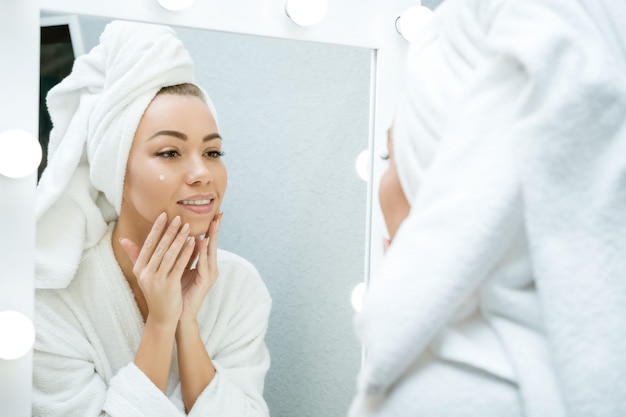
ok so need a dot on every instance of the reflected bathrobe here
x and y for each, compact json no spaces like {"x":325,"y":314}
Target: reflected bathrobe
{"x":88,"y":334}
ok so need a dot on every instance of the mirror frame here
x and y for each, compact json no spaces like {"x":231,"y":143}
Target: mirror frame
{"x":360,"y":23}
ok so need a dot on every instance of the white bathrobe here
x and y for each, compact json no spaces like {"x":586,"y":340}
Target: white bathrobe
{"x":504,"y":291}
{"x":88,"y":334}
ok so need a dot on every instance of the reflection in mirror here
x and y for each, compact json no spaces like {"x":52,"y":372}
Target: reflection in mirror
{"x":294,"y":116}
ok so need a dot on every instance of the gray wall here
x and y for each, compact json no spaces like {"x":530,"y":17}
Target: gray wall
{"x":294,"y":117}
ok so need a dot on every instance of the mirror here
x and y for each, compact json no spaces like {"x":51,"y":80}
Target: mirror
{"x":294,"y":116}
{"x":302,"y":215}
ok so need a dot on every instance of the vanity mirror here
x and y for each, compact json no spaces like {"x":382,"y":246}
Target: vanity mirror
{"x":296,"y":106}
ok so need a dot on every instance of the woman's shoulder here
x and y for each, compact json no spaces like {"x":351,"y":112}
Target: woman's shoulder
{"x":235,"y":270}
{"x":232,"y":260}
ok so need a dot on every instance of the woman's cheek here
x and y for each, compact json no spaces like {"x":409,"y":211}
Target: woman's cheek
{"x":384,"y":198}
{"x":151,"y":188}
{"x":393,"y":203}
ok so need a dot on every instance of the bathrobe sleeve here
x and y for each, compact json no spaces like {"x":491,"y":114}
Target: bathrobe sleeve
{"x":65,"y":380}
{"x":70,"y":377}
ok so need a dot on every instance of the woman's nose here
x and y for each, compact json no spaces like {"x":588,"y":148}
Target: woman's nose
{"x":198,"y":171}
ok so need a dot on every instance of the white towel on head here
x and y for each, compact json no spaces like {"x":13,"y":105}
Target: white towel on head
{"x":95,"y":112}
{"x":514,"y":111}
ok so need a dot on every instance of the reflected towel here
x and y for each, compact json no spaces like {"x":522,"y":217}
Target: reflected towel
{"x":513,"y":110}
{"x":95,"y":112}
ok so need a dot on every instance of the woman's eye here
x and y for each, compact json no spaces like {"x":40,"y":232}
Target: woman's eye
{"x":215,"y":154}
{"x":168,"y":154}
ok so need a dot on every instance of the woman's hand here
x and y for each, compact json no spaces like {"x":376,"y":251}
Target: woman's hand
{"x":197,"y":282}
{"x":159,"y":266}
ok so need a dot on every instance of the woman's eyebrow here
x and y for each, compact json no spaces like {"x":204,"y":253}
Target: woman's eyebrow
{"x":182,"y":136}
{"x":174,"y":133}
{"x":211,"y":136}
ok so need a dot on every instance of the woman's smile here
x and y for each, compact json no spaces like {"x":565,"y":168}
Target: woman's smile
{"x":199,"y":204}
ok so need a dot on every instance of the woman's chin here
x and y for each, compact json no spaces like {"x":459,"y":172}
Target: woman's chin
{"x":197,"y":232}
{"x":198,"y":228}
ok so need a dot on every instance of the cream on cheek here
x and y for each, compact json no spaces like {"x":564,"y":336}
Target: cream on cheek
{"x":147,"y":187}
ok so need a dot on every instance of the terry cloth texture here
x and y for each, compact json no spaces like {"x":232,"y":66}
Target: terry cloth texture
{"x":510,"y":271}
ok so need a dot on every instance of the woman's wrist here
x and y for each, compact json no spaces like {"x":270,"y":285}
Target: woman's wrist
{"x":187,"y":327}
{"x":154,"y":353}
{"x":195,"y":366}
{"x":161,"y":326}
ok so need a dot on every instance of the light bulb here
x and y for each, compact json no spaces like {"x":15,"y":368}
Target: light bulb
{"x":357,"y":296}
{"x":17,"y":335}
{"x":20,"y":153}
{"x":306,"y":12}
{"x":176,"y":5}
{"x":362,"y":165}
{"x":411,"y":23}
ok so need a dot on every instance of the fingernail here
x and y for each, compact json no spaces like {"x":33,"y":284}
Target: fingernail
{"x":190,"y":240}
{"x":176,"y":221}
{"x":185,"y":228}
{"x":161,"y":217}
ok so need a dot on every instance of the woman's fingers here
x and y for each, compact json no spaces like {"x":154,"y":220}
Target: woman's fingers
{"x":166,"y":248}
{"x":208,"y":247}
{"x":203,"y":260}
{"x":163,"y":245}
{"x":181,"y":262}
{"x":151,"y":242}
{"x":177,"y":251}
{"x":194,"y":255}
{"x":213,"y":233}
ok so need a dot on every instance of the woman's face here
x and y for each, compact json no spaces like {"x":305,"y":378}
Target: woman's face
{"x":175,"y":165}
{"x":393,"y":203}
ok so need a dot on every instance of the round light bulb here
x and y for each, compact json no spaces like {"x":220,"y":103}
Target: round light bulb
{"x":362,"y":165}
{"x":411,"y":23}
{"x":357,"y":296}
{"x":17,"y":335}
{"x":306,"y":12}
{"x":20,"y":153}
{"x":176,"y":5}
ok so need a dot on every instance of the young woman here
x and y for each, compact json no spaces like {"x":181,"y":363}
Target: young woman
{"x":502,"y":291}
{"x":138,"y":313}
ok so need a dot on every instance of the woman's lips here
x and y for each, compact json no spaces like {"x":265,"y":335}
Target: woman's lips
{"x":198,"y":206}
